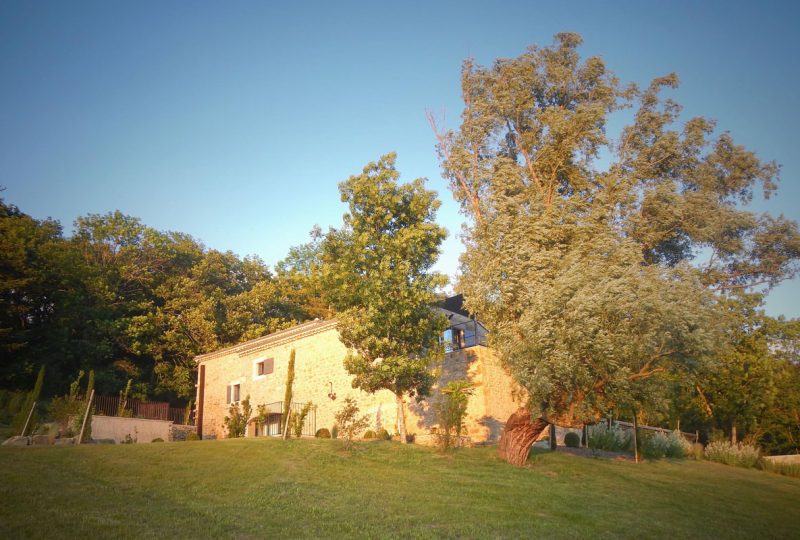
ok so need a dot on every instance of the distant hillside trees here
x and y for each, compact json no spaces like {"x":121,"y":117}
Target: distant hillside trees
{"x":129,"y":301}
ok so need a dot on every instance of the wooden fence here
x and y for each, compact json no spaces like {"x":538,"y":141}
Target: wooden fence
{"x":135,"y":408}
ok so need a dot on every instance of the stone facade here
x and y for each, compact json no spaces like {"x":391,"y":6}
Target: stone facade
{"x":319,"y":370}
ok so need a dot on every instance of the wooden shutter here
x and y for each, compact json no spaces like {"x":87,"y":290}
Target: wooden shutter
{"x":269,"y":366}
{"x":229,"y":394}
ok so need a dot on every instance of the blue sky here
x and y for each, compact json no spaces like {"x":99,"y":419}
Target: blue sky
{"x":235,"y":121}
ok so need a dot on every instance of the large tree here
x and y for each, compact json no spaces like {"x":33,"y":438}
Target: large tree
{"x":598,"y":261}
{"x":377,"y":275}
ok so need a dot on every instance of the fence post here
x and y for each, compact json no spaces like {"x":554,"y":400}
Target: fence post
{"x":25,"y":427}
{"x":85,"y":417}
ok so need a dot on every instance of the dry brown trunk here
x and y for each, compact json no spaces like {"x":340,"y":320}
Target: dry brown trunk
{"x":519,"y":435}
{"x":401,"y":419}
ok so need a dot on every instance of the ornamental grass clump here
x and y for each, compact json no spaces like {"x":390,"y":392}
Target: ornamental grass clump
{"x":671,"y":445}
{"x":786,"y":468}
{"x":736,"y":454}
{"x":611,"y":439}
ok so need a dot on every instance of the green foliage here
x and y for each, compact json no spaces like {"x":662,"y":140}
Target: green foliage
{"x":572,"y":440}
{"x":298,"y":420}
{"x":192,"y":436}
{"x":451,"y":409}
{"x":287,"y":396}
{"x":585,"y":273}
{"x":658,"y":445}
{"x":736,"y":454}
{"x":335,"y":431}
{"x":349,"y":423}
{"x":10,"y":404}
{"x":238,"y":418}
{"x":129,"y":302}
{"x":369,"y":434}
{"x":376,"y":273}
{"x":157,"y":439}
{"x":383,"y":435}
{"x":62,"y":408}
{"x":18,"y":423}
{"x":610,"y":439}
{"x":323,"y":433}
{"x":122,"y":406}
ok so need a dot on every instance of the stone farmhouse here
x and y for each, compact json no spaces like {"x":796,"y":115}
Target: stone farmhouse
{"x":258,"y":369}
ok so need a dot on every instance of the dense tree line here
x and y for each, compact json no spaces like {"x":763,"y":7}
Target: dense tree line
{"x":131,"y":302}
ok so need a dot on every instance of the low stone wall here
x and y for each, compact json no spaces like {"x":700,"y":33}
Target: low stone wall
{"x":179,"y":432}
{"x":140,"y":430}
{"x":791,"y":458}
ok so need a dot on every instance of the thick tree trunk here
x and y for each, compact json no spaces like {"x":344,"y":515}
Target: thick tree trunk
{"x":519,"y":435}
{"x":401,"y":419}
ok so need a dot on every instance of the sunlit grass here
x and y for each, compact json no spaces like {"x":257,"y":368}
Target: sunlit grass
{"x":312,"y":488}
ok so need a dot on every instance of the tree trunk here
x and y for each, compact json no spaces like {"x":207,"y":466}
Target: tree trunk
{"x":519,"y":435}
{"x":733,"y":434}
{"x":401,"y":418}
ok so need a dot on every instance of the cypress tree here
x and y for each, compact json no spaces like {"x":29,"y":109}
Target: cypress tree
{"x":287,"y":397}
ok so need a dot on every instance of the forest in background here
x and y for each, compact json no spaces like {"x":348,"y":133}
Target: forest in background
{"x":130,"y":302}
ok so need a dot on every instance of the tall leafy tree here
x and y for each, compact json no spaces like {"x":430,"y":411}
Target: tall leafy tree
{"x":598,"y":278}
{"x":377,"y":275}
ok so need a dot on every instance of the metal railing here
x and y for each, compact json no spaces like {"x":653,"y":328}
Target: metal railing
{"x":271,"y":427}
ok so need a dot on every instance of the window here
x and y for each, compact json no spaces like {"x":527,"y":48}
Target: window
{"x":264,"y":367}
{"x":233,"y":393}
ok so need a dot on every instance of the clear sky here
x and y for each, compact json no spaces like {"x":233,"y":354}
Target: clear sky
{"x":235,"y":121}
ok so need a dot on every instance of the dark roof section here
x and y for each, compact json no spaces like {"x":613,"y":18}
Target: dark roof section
{"x":455,"y":304}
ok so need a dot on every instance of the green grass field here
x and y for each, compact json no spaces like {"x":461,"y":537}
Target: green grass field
{"x":264,"y":488}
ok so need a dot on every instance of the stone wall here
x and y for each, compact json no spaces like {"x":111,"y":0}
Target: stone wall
{"x":319,"y":367}
{"x":139,"y":429}
{"x":179,"y":432}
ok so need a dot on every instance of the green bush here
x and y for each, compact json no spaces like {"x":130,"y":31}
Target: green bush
{"x":451,"y":409}
{"x":192,"y":436}
{"x":237,"y":422}
{"x":335,"y":432}
{"x":157,"y":439}
{"x":611,"y":439}
{"x":323,"y":433}
{"x":298,"y":420}
{"x":369,"y":434}
{"x":572,"y":440}
{"x":383,"y":435}
{"x":658,"y":445}
{"x":350,"y":421}
{"x":738,"y":454}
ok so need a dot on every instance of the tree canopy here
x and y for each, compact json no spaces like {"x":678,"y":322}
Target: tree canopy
{"x":599,"y":260}
{"x":377,"y":275}
{"x":129,"y":302}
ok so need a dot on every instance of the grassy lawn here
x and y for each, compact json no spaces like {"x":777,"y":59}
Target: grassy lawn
{"x":262,"y":488}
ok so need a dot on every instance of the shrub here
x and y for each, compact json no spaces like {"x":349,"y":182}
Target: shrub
{"x":335,"y":432}
{"x":696,"y":451}
{"x":192,"y":436}
{"x":236,"y":422}
{"x":18,"y":423}
{"x":350,"y":424}
{"x":298,"y":420}
{"x":383,"y":435}
{"x":450,"y":412}
{"x":612,"y":439}
{"x":323,"y":433}
{"x":658,"y":445}
{"x":738,"y":454}
{"x":369,"y":434}
{"x":157,"y":439}
{"x":572,"y":440}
